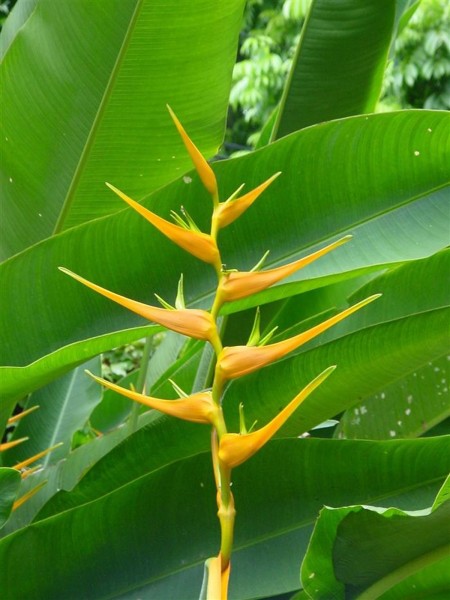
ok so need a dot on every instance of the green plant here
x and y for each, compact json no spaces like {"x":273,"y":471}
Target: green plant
{"x":129,"y":514}
{"x":267,"y":45}
{"x":419,"y":74}
{"x":228,"y":450}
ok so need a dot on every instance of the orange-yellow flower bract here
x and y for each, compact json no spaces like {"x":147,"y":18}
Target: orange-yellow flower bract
{"x":235,"y":361}
{"x":32,"y":459}
{"x":236,"y":448}
{"x":201,"y":245}
{"x":198,"y":408}
{"x":240,"y":284}
{"x":228,"y":211}
{"x":202,"y":167}
{"x":217,"y":586}
{"x":192,"y":322}
{"x":28,"y":495}
{"x":7,"y":445}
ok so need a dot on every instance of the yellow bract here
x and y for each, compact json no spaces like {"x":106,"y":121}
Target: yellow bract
{"x":228,"y":211}
{"x":195,"y":323}
{"x":200,"y":245}
{"x":240,"y":284}
{"x":217,"y":587}
{"x":202,"y":167}
{"x":7,"y":445}
{"x":21,"y":415}
{"x":236,"y":361}
{"x":235,"y":448}
{"x":198,"y":408}
{"x":32,"y":459}
{"x":28,"y":495}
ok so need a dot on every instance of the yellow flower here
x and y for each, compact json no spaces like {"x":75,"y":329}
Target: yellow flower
{"x":235,"y":448}
{"x":200,"y":245}
{"x":32,"y":459}
{"x":236,"y":361}
{"x":228,"y":211}
{"x":198,"y":408}
{"x":205,"y":172}
{"x":194,"y":323}
{"x":7,"y":445}
{"x":239,"y":284}
{"x":28,"y":495}
{"x":21,"y":415}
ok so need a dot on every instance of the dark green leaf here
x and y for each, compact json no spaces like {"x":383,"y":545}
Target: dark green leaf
{"x":172,"y":526}
{"x":339,"y":65}
{"x":365,"y":552}
{"x":99,"y":90}
{"x":368,"y":184}
{"x":9,"y":488}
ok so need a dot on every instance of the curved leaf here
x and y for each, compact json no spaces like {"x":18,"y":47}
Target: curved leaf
{"x":16,"y":382}
{"x":378,"y":346}
{"x":161,"y":550}
{"x":407,"y":408}
{"x":381,"y":187}
{"x":9,"y":488}
{"x":64,"y":407}
{"x":339,"y":64}
{"x":66,"y":473}
{"x":100,"y":88}
{"x":364,"y":552}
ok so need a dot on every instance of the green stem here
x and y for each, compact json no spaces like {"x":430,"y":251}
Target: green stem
{"x":140,"y":384}
{"x":225,"y":501}
{"x":226,"y":514}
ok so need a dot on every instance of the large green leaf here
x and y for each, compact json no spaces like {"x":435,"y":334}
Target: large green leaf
{"x":170,"y":520}
{"x":388,"y":346}
{"x":66,"y":473}
{"x":64,"y":407}
{"x":339,"y":64}
{"x":21,"y":380}
{"x":378,"y":176}
{"x":9,"y":488}
{"x":377,"y":346}
{"x":365,"y":552}
{"x":407,"y":408}
{"x":100,"y":77}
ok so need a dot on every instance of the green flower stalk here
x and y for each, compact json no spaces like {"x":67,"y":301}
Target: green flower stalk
{"x":228,"y":449}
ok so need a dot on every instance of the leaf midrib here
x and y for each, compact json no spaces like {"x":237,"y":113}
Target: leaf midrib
{"x":68,"y":202}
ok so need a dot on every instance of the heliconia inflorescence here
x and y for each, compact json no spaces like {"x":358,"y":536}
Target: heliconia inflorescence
{"x":228,"y":449}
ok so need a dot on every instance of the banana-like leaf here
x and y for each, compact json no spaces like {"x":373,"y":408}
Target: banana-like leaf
{"x":382,"y":177}
{"x":171,"y":523}
{"x":64,"y":407}
{"x":407,"y":408}
{"x":99,"y":90}
{"x":366,"y":552}
{"x":338,"y":68}
{"x":366,"y":358}
{"x":9,"y":488}
{"x":66,"y":473}
{"x":20,"y":380}
{"x":377,"y":346}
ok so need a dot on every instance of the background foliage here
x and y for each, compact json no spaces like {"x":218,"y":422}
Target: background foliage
{"x":417,"y":75}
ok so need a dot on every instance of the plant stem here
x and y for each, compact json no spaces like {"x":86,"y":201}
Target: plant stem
{"x":225,"y":502}
{"x":140,"y":384}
